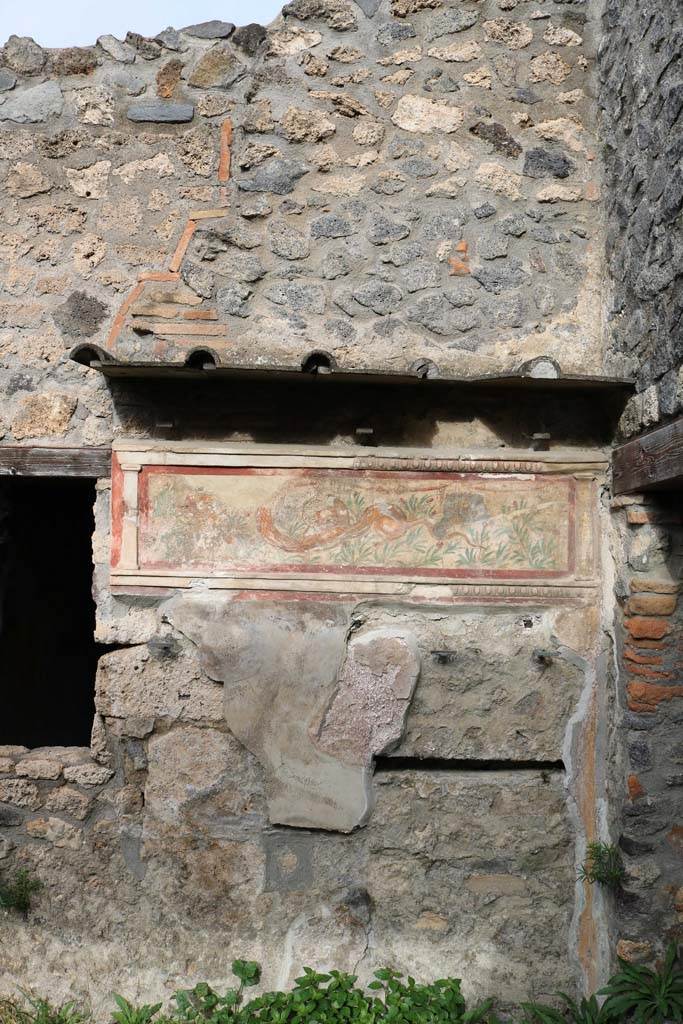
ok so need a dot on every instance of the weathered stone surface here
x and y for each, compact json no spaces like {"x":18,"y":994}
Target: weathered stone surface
{"x":38,"y":768}
{"x":161,"y":113}
{"x":381,"y":298}
{"x":80,"y":316}
{"x":30,"y":106}
{"x":210,"y":30}
{"x":278,"y":176}
{"x":300,"y":125}
{"x":25,"y":180}
{"x":67,"y":800}
{"x":499,"y":138}
{"x":23,"y":55}
{"x":287,"y":241}
{"x":249,"y":38}
{"x":420,"y":114}
{"x":43,"y":415}
{"x":19,"y":793}
{"x":449,"y":21}
{"x":549,"y":67}
{"x":90,"y":182}
{"x":232,"y":300}
{"x":7,"y":80}
{"x":73,"y":60}
{"x":305,"y":298}
{"x":337,"y":14}
{"x":499,"y":179}
{"x":541,"y":163}
{"x":513,"y":34}
{"x":218,"y":68}
{"x":116,"y":49}
{"x":88,"y":774}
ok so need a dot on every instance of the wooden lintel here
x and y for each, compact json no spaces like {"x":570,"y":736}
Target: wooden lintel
{"x":652,"y":461}
{"x":17,"y":460}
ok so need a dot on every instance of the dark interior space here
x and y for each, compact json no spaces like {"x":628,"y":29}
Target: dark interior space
{"x":48,"y":654}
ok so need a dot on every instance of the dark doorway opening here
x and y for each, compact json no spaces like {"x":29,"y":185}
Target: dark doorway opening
{"x":48,"y":654}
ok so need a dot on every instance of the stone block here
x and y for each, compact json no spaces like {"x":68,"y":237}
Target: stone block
{"x":161,"y":113}
{"x":31,"y":106}
{"x":131,"y":683}
{"x":39,"y":769}
{"x":88,"y":774}
{"x":20,"y":793}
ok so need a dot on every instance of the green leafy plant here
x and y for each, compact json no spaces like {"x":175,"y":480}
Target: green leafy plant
{"x":644,"y":995}
{"x":127,"y":1013}
{"x":604,"y":865}
{"x":16,"y":893}
{"x":201,"y":1005}
{"x":587,"y":1011}
{"x":36,"y":1010}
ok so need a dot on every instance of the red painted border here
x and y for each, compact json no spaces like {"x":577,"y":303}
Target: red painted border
{"x":116,"y":509}
{"x":295,"y":569}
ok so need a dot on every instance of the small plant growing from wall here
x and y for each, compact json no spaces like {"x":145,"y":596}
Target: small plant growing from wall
{"x":16,"y":893}
{"x":603,"y":864}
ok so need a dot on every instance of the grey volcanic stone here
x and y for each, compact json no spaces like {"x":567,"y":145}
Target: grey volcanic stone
{"x":382,"y":230}
{"x":117,"y":50}
{"x":304,"y":298}
{"x":22,"y":54}
{"x":437,"y":314}
{"x":210,"y":30}
{"x":170,"y":39}
{"x":419,"y":166}
{"x":446,"y":225}
{"x":526,"y":96}
{"x":423,"y":274}
{"x":80,"y":316}
{"x":241,"y":266}
{"x":288,"y":242}
{"x":160,"y":112}
{"x":400,"y":255}
{"x":232,"y":300}
{"x":147,"y":48}
{"x":7,"y":80}
{"x":381,"y":298}
{"x":200,"y":279}
{"x":394,"y":33}
{"x":540,"y":163}
{"x":277,"y":176}
{"x":498,"y":136}
{"x":33,"y":105}
{"x":514,"y":226}
{"x":484,"y":211}
{"x":446,"y":22}
{"x":497,"y":277}
{"x":248,"y":38}
{"x":335,"y":264}
{"x":331,"y":225}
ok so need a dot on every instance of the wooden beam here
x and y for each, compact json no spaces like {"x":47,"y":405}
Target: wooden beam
{"x":652,"y":461}
{"x":18,"y":460}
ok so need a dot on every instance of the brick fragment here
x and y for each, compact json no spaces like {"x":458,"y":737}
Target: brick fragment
{"x":646,"y":697}
{"x":635,"y":788}
{"x":652,"y":604}
{"x":648,"y":673}
{"x":652,"y":585}
{"x":642,"y":659}
{"x":647,"y":628}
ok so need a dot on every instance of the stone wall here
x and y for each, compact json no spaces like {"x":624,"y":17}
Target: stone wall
{"x":418,"y":184}
{"x":648,"y":785}
{"x":399,"y":184}
{"x":641,"y":100}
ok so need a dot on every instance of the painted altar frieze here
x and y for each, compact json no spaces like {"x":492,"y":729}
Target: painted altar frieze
{"x":298,"y":516}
